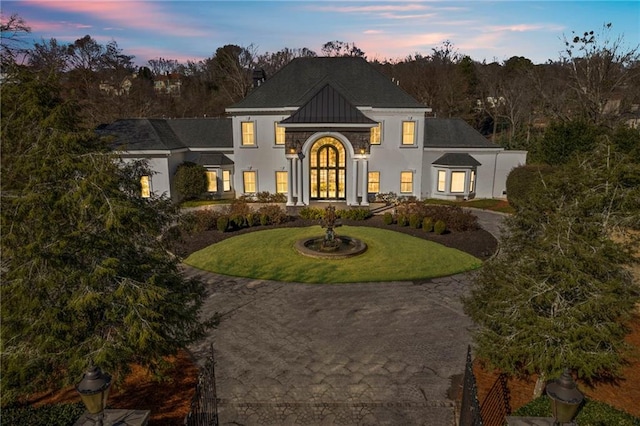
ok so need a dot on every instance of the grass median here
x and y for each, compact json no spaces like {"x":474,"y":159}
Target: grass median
{"x":390,"y":256}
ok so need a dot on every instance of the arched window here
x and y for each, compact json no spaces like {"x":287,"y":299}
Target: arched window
{"x":327,"y":167}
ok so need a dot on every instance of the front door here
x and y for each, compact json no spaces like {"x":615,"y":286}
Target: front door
{"x":327,"y":166}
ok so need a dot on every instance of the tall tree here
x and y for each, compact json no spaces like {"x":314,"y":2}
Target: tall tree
{"x":12,"y":31}
{"x":341,"y":48}
{"x":560,"y":291}
{"x":86,"y":274}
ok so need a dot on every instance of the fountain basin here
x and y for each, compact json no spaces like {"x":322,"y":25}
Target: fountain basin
{"x":313,"y":247}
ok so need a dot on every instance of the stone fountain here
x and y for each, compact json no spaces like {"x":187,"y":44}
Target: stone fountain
{"x":330,"y":246}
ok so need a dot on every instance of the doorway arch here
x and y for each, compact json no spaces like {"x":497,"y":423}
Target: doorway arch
{"x":327,"y":169}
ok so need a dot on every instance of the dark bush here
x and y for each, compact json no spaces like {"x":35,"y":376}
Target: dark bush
{"x":355,"y":214}
{"x":455,"y":217}
{"x":222,"y":223}
{"x":202,"y":220}
{"x":274,"y":214}
{"x":312,"y":213}
{"x":264,"y":219}
{"x":439,"y":227}
{"x":267,"y":197}
{"x":251,"y":219}
{"x":415,"y":220}
{"x":190,"y":180}
{"x":46,"y":415}
{"x":387,"y":218}
{"x":427,"y":224}
{"x":403,"y":220}
{"x":524,"y":181}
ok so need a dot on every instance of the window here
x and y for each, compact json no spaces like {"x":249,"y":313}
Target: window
{"x":279,"y":131}
{"x":374,"y":182}
{"x":406,"y":182}
{"x":145,"y":186}
{"x":281,"y":182}
{"x":442,"y":176}
{"x":457,"y":181}
{"x":212,"y":181}
{"x":226,"y":180}
{"x":408,"y":132}
{"x":376,"y":135}
{"x":472,"y":181}
{"x":249,"y":180}
{"x":248,"y":133}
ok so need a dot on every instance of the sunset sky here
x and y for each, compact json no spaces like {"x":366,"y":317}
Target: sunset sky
{"x":193,"y":30}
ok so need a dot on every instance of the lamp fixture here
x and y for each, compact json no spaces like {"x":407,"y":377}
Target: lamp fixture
{"x":94,"y":391}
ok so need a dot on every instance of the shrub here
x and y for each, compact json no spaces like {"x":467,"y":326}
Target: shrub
{"x":267,"y":197}
{"x":204,"y":220}
{"x":238,"y":221}
{"x":313,"y":213}
{"x":386,"y":197}
{"x":415,"y":220}
{"x":522,"y":182}
{"x":455,"y":217}
{"x":387,"y":218}
{"x":264,"y":219}
{"x":355,"y":214}
{"x":251,"y":219}
{"x":427,"y":224}
{"x":592,"y":413}
{"x":403,"y":220}
{"x":46,"y":415}
{"x":439,"y":227}
{"x":274,"y":214}
{"x":222,"y":223}
{"x":190,"y":180}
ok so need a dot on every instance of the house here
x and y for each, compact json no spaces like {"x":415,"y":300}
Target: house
{"x":168,"y":84}
{"x":324,"y":129}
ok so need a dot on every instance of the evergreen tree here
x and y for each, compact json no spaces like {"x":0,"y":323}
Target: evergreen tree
{"x":86,"y":276}
{"x":559,"y":292}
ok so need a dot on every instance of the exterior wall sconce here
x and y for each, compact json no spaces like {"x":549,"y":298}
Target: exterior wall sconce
{"x":94,"y":391}
{"x":565,"y":398}
{"x":363,"y":150}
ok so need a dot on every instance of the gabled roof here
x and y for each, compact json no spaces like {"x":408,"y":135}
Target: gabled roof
{"x":214,"y":159}
{"x":143,"y":134}
{"x":328,"y":106}
{"x":457,"y":159}
{"x":453,"y":133}
{"x":358,"y":81}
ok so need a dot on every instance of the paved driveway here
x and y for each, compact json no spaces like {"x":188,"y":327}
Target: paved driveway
{"x":345,"y":354}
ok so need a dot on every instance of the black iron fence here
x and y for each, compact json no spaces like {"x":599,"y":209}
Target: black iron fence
{"x":495,"y":407}
{"x":204,"y":405}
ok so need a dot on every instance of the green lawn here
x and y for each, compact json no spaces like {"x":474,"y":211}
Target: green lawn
{"x":391,"y":256}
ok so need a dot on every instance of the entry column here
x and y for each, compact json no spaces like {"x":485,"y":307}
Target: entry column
{"x":300,"y":181}
{"x":290,"y":181}
{"x":365,"y":182}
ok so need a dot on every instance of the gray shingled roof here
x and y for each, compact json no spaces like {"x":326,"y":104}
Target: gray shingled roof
{"x":142,"y":134}
{"x":457,"y":159}
{"x":328,"y":106}
{"x":453,"y":133}
{"x":214,"y":159}
{"x":297,"y":82}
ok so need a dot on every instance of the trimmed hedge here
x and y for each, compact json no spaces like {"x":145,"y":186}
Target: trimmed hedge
{"x":524,"y":181}
{"x":46,"y":415}
{"x":439,"y":227}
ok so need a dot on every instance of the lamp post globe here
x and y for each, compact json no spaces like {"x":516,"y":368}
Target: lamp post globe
{"x":565,"y":398}
{"x":94,"y":390}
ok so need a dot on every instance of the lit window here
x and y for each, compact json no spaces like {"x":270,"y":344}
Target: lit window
{"x":281,"y":182}
{"x":212,"y":181}
{"x":279,"y":134}
{"x":406,"y":182}
{"x":376,"y":133}
{"x":248,"y":133}
{"x":374,"y":182}
{"x":145,"y":186}
{"x":457,"y":181}
{"x":442,"y":175}
{"x":226,"y":180}
{"x":472,"y":181}
{"x":249,"y":179}
{"x":408,"y":132}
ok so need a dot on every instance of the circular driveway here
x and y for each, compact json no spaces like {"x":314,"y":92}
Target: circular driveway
{"x":387,"y":353}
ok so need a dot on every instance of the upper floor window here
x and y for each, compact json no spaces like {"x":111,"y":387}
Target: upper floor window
{"x":279,"y":133}
{"x":248,"y":133}
{"x":373,"y":185}
{"x":376,"y":135}
{"x":281,"y":182}
{"x":226,"y":180}
{"x":145,"y":186}
{"x":212,"y":181}
{"x":408,"y":132}
{"x":406,"y":182}
{"x":249,"y":180}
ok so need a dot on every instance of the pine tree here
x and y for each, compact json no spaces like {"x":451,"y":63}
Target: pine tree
{"x":86,"y":276}
{"x":558,"y":294}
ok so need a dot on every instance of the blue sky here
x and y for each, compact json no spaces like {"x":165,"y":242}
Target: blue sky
{"x":193,"y":30}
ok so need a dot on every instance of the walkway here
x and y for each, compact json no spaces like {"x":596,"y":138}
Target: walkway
{"x":387,"y":353}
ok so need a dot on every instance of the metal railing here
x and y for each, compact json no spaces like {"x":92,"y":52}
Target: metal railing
{"x":204,"y":405}
{"x":470,"y":414}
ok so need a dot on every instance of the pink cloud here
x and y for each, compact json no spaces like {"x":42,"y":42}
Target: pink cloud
{"x":381,"y":45}
{"x":128,"y":14}
{"x":411,"y":7}
{"x":515,"y":28}
{"x":143,"y":54}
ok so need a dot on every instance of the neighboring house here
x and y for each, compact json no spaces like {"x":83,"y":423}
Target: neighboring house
{"x":326,"y":129}
{"x":168,"y":84}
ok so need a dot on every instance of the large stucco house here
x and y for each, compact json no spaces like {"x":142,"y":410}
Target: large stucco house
{"x":331,"y":129}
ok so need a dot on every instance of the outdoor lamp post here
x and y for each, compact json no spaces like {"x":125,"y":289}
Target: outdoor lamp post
{"x":94,"y":390}
{"x":565,"y":398}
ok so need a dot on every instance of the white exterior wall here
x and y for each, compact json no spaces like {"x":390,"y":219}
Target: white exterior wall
{"x":391,"y":157}
{"x":507,"y":161}
{"x":159,"y":164}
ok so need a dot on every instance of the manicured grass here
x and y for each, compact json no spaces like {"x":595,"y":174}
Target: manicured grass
{"x":391,"y":256}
